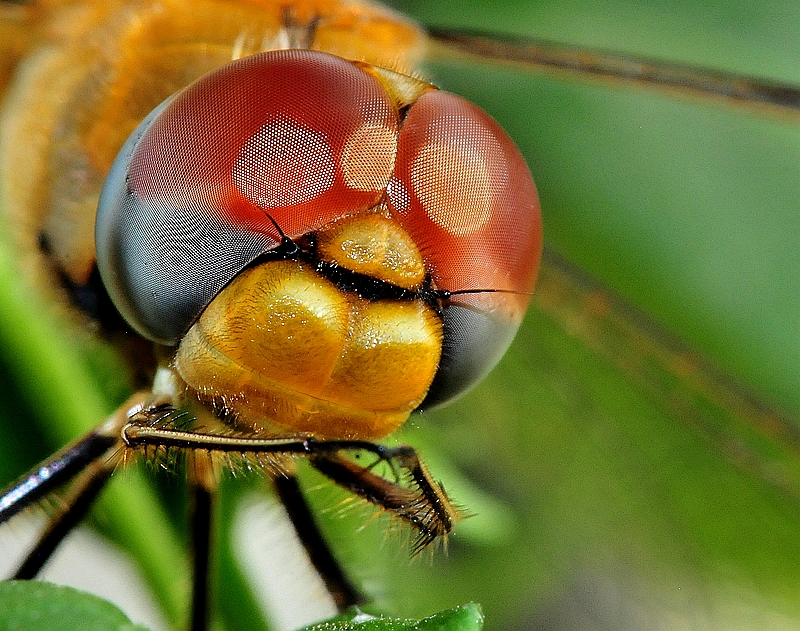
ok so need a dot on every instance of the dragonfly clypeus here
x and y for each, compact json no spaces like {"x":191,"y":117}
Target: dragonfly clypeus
{"x":610,"y":469}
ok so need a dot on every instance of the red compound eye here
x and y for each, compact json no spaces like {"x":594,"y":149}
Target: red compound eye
{"x":304,"y":136}
{"x":464,"y":193}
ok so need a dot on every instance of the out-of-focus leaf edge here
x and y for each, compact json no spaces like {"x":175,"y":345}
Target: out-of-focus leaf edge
{"x":39,"y":606}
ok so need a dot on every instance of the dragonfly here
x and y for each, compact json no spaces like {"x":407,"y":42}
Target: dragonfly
{"x":627,"y":490}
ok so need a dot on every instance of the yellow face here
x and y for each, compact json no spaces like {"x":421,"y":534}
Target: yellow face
{"x":283,"y":346}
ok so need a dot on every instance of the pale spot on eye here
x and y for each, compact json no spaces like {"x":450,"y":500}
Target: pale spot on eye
{"x":398,"y":195}
{"x":454,"y":187}
{"x":283,"y":164}
{"x":368,"y":158}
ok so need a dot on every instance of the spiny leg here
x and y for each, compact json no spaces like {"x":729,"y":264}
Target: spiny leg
{"x":76,"y":504}
{"x":411,"y":495}
{"x":423,"y":503}
{"x":87,"y":464}
{"x":54,"y":472}
{"x":151,"y":431}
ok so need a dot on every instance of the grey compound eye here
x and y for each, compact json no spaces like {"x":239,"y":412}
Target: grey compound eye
{"x":305,"y":139}
{"x":163,"y":258}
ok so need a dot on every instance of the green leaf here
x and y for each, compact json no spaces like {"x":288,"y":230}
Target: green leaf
{"x":36,"y":606}
{"x":464,"y":618}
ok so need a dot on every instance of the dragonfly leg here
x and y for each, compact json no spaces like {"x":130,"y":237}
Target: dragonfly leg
{"x":202,"y":491}
{"x":413,"y":496}
{"x":83,"y":467}
{"x":345,"y":594}
{"x":407,"y":490}
{"x":74,"y":508}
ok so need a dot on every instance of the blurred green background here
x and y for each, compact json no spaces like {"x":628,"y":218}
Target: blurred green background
{"x":618,"y":480}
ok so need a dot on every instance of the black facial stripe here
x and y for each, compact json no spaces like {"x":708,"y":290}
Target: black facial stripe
{"x":365,"y":286}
